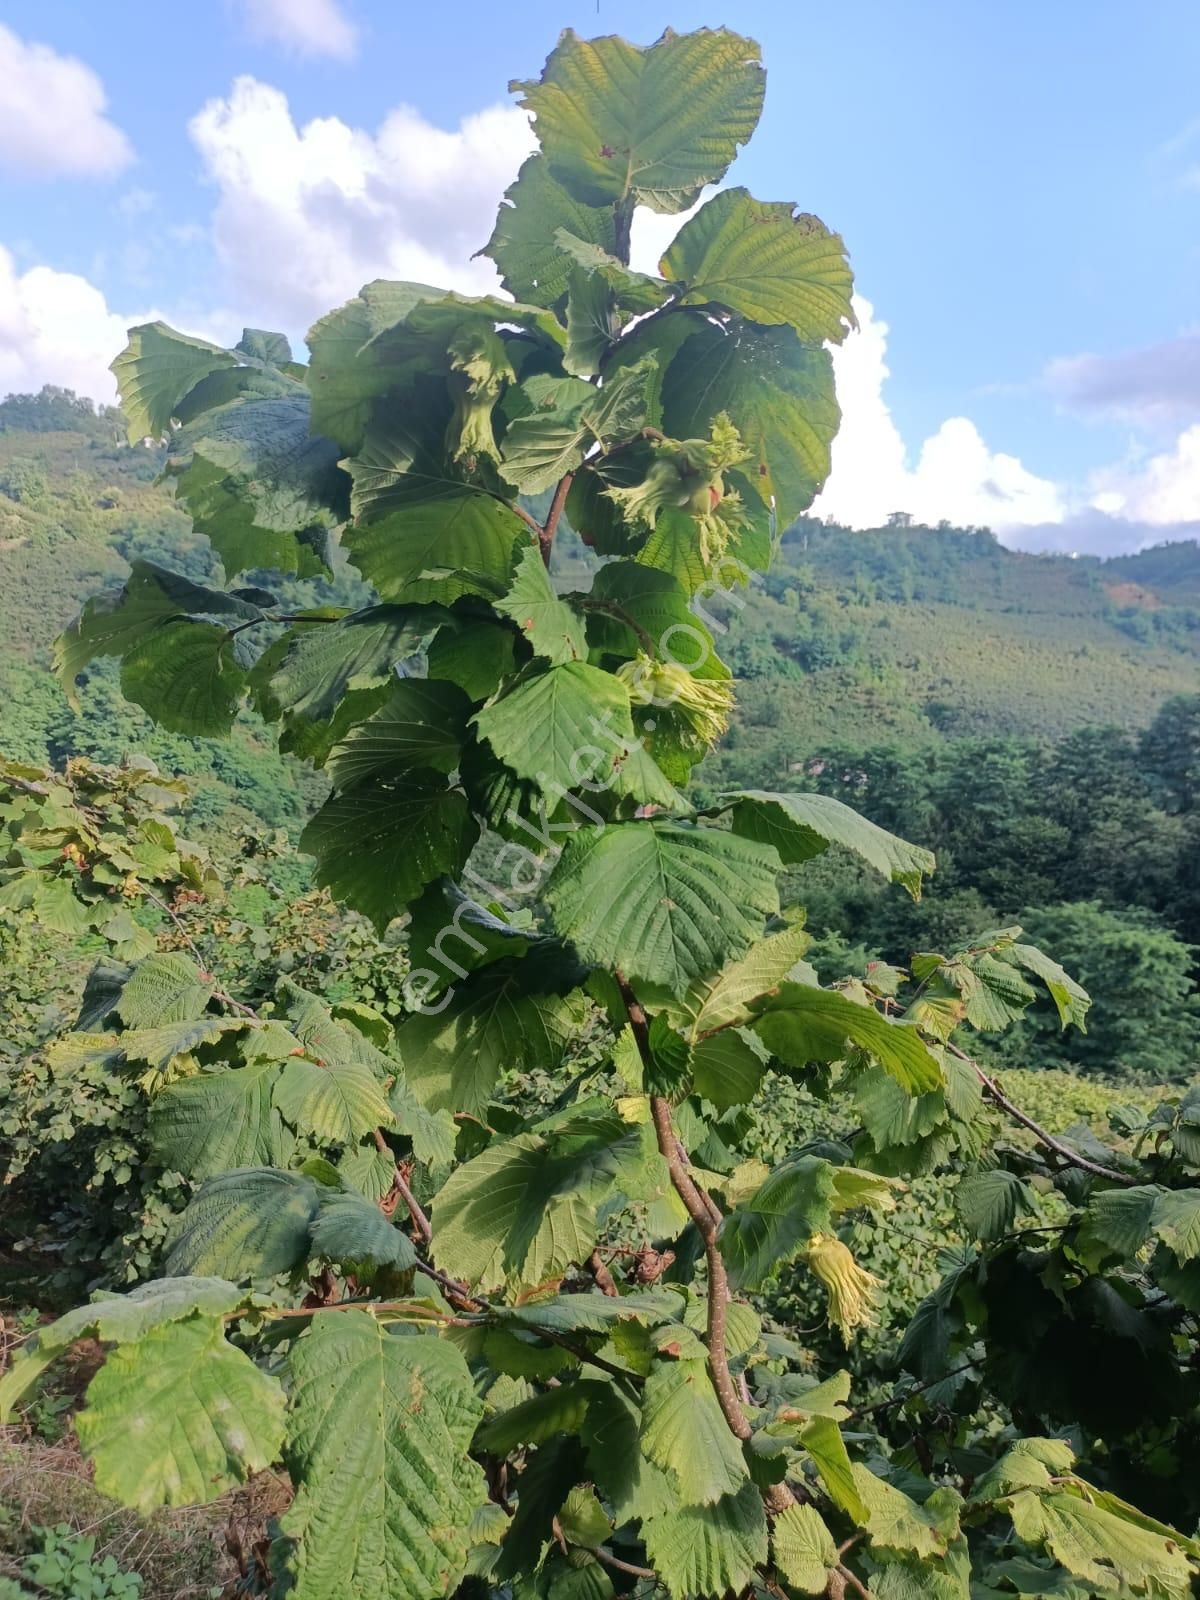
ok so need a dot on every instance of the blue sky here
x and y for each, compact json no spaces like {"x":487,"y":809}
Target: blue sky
{"x":1018,"y":184}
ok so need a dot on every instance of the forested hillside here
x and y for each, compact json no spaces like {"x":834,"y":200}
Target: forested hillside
{"x":1011,"y":703}
{"x":905,"y":635}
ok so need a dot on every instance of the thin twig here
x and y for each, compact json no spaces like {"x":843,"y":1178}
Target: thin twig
{"x":218,"y":994}
{"x":997,"y":1095}
{"x":705,"y":1218}
{"x":400,"y":1178}
{"x":899,"y":1399}
{"x":532,"y":521}
{"x":613,"y":609}
{"x":854,"y":1582}
{"x":546,"y":533}
{"x":610,"y":1560}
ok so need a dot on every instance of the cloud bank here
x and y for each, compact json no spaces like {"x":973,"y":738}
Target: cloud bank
{"x":306,"y":215}
{"x":1157,"y":384}
{"x":52,"y":121}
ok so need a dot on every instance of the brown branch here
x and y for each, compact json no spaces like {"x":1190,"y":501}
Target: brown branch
{"x":855,"y":1583}
{"x":610,"y":1560}
{"x":205,"y":973}
{"x":1072,"y":1157}
{"x":705,"y":1217}
{"x":546,"y":533}
{"x":400,"y":1179}
{"x":525,"y":517}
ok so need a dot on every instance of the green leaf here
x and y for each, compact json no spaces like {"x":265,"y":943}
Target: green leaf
{"x":166,"y":987}
{"x":596,"y":1313}
{"x":116,"y":1319}
{"x":550,"y":625}
{"x":344,"y":388}
{"x":156,"y":370}
{"x":799,"y":1024}
{"x":249,"y":1223}
{"x":544,"y":446}
{"x":420,"y":530}
{"x":592,"y":324}
{"x":801,"y":826}
{"x":532,"y":266}
{"x":326,"y":657}
{"x":1122,"y":1218}
{"x":378,"y":845}
{"x":475,"y":657}
{"x":450,"y":935}
{"x":219,"y":1121}
{"x":630,"y":603}
{"x":634,"y":291}
{"x":357,"y":1235}
{"x":803,"y":1549}
{"x":765,"y":263}
{"x":910,"y":1578}
{"x":186,"y":679}
{"x":822,"y":1438}
{"x":780,"y":394}
{"x":717,"y":1002}
{"x":990,"y":1202}
{"x":152,"y":598}
{"x":768,"y":1231}
{"x":263,"y":345}
{"x":379,"y":1430}
{"x":583,"y":1519}
{"x":560,"y":1410}
{"x":561,"y":728}
{"x":422,"y":723}
{"x":685,"y":1433}
{"x":665,"y":902}
{"x":1177,"y":1222}
{"x":1104,"y":1549}
{"x":252,"y":472}
{"x":335,"y":1101}
{"x":632,"y":1485}
{"x":896,"y":1523}
{"x":1071,"y":1001}
{"x":727,"y":1068}
{"x":179,"y":1417}
{"x":653,"y":126}
{"x":709,"y":1550}
{"x":494,"y":1022}
{"x":526,"y":1208}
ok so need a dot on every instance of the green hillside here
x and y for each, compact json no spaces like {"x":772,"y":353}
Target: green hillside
{"x":898,"y":636}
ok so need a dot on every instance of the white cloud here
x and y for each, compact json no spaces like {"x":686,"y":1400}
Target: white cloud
{"x":57,"y":327}
{"x":956,"y":475}
{"x":306,"y":215}
{"x":309,"y":27}
{"x":1158,"y":489}
{"x":52,"y":121}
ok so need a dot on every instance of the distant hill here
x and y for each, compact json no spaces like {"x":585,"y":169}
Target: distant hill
{"x":902,"y":636}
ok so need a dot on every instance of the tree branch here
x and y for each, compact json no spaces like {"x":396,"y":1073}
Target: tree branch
{"x":546,"y":533}
{"x":610,"y":1560}
{"x":706,"y":1217}
{"x":525,"y":517}
{"x":998,"y":1097}
{"x":218,"y":994}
